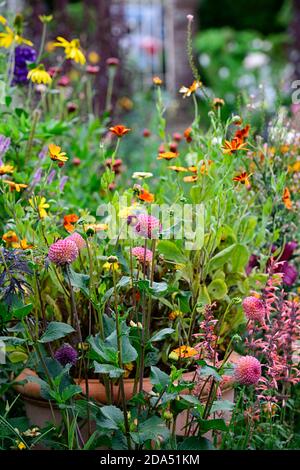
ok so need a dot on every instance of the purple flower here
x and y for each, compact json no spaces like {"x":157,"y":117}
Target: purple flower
{"x":252,"y":263}
{"x":51,"y":176}
{"x":66,"y":354}
{"x":4,"y":145}
{"x":290,"y":273}
{"x":43,"y":152}
{"x":23,"y":56}
{"x":37,"y":176}
{"x":288,"y":250}
{"x":62,"y":182}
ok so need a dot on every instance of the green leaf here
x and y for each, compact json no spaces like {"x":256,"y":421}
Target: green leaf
{"x":17,"y":356}
{"x":217,"y":289}
{"x":21,"y":312}
{"x":56,"y":330}
{"x":171,"y":251}
{"x":221,"y":258}
{"x":162,"y":334}
{"x":207,"y":425}
{"x":79,"y":281}
{"x":70,"y":391}
{"x":196,"y":443}
{"x":239,"y":258}
{"x":159,"y":378}
{"x":150,"y":430}
{"x":112,"y":417}
{"x":222,"y":405}
{"x":207,"y":371}
{"x":112,"y":371}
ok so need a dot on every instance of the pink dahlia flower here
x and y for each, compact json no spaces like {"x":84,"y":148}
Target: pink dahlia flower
{"x":63,"y":252}
{"x":254,"y":309}
{"x":147,"y":226}
{"x":139,"y":253}
{"x":247,"y":370}
{"x":78,"y":240}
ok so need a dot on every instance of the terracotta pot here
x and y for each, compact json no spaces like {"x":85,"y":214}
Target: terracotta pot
{"x":40,"y":411}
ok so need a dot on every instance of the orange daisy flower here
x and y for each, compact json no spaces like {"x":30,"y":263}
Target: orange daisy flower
{"x":231,"y":147}
{"x":69,"y":221}
{"x":187,"y":91}
{"x":5,"y":169}
{"x":10,"y":238}
{"x":193,"y":169}
{"x":56,"y":155}
{"x":167,"y":155}
{"x":184,"y":352}
{"x":190,"y":179}
{"x":143,"y":194}
{"x":243,"y":178}
{"x":286,"y":198}
{"x":15,"y":186}
{"x":242,"y":134}
{"x":178,"y":169}
{"x":119,"y":130}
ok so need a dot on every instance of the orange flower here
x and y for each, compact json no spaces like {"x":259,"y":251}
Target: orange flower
{"x":243,"y":178}
{"x":242,"y":134}
{"x":167,"y":155}
{"x":15,"y":186}
{"x":69,"y":221}
{"x":183,"y":352}
{"x":187,"y":134}
{"x":178,"y":169}
{"x":286,"y":198}
{"x":5,"y":169}
{"x":157,"y":81}
{"x":24,"y":245}
{"x":230,"y":147}
{"x":203,"y":168}
{"x":143,"y":194}
{"x":11,"y":238}
{"x":119,"y":130}
{"x":187,"y":91}
{"x":193,"y":169}
{"x":190,"y":179}
{"x":218,"y":102}
{"x":56,"y":155}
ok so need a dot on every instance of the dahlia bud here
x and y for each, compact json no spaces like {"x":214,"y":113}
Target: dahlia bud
{"x":254,"y":309}
{"x":247,"y":370}
{"x":78,"y":240}
{"x":142,"y":255}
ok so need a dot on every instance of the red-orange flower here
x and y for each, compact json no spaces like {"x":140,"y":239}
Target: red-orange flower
{"x":187,"y":134}
{"x":286,"y":198}
{"x":69,"y":221}
{"x":119,"y":130}
{"x":242,"y":134}
{"x":243,"y":178}
{"x":233,"y":146}
{"x":143,"y":194}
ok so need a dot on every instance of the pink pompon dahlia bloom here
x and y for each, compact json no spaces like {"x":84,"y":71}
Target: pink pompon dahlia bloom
{"x":254,"y":309}
{"x":147,"y":226}
{"x":142,"y":255}
{"x":247,"y":370}
{"x":78,"y":240}
{"x":63,"y":252}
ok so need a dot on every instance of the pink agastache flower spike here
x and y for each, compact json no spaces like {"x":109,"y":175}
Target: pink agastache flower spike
{"x":247,"y":370}
{"x":63,"y":252}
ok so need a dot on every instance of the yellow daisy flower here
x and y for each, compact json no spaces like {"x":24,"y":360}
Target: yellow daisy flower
{"x":187,"y":91}
{"x":40,"y":205}
{"x":39,"y":75}
{"x":56,"y":154}
{"x":3,"y":20}
{"x":6,"y":169}
{"x":15,"y":186}
{"x":72,"y":49}
{"x":8,"y":37}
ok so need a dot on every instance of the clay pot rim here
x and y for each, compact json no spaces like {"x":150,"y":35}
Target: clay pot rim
{"x":32,"y":389}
